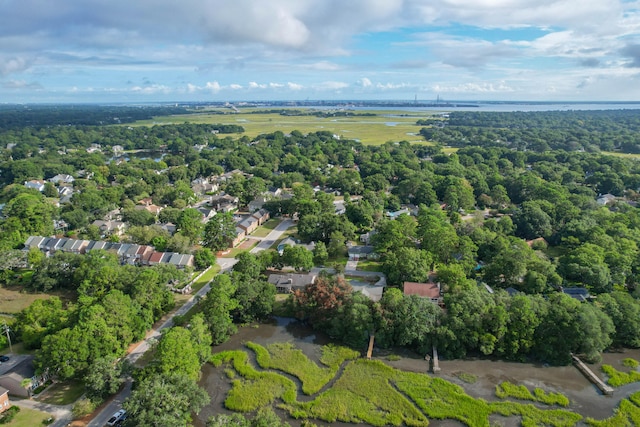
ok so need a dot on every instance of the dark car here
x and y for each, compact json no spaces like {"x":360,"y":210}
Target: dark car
{"x":4,"y":358}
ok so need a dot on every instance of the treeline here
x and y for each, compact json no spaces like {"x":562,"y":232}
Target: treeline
{"x":476,"y":322}
{"x":20,"y":116}
{"x":115,"y":306}
{"x":540,"y":131}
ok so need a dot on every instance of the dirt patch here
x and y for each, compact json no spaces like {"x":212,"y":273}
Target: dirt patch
{"x":247,"y":244}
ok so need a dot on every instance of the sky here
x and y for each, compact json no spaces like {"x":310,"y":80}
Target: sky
{"x":250,"y":50}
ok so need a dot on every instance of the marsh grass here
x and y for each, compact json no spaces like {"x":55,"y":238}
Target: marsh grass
{"x":619,"y":378}
{"x":256,"y":389}
{"x":467,"y":377}
{"x":363,"y":394}
{"x":287,"y":358}
{"x":371,"y":392}
{"x":626,"y":415}
{"x":535,"y":417}
{"x":507,"y":389}
{"x":630,"y":363}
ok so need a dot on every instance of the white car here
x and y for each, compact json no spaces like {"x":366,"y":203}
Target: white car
{"x":115,"y":418}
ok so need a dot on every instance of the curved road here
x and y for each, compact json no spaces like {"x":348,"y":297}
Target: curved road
{"x":226,"y":264}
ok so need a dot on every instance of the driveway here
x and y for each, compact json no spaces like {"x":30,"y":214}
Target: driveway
{"x":273,"y":237}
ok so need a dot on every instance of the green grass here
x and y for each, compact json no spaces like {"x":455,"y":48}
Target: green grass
{"x":507,"y":389}
{"x":28,"y":418}
{"x":467,"y":377}
{"x":235,"y":251}
{"x":367,"y":391}
{"x":363,"y":393}
{"x":286,"y":358}
{"x":266,"y":228}
{"x":370,"y":130}
{"x":370,"y":265}
{"x":205,"y":278}
{"x":256,"y":389}
{"x":535,"y":417}
{"x":619,"y":378}
{"x":630,"y":363}
{"x":63,"y":393}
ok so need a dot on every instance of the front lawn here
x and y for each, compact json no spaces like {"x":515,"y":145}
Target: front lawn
{"x":28,"y":418}
{"x":63,"y":393}
{"x":266,"y":228}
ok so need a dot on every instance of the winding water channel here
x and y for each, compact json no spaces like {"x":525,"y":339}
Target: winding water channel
{"x":585,"y":398}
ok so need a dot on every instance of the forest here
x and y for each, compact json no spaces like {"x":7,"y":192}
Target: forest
{"x":525,"y":207}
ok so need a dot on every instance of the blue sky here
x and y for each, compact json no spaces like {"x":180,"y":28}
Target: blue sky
{"x":221,"y":50}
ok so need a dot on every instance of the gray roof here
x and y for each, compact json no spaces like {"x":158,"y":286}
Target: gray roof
{"x":292,"y":280}
{"x":361,"y":250}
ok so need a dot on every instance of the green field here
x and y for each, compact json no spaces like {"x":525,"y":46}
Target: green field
{"x":384,"y":126}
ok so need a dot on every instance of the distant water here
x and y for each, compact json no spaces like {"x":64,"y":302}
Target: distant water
{"x":509,"y":107}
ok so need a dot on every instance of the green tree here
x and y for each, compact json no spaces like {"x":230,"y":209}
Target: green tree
{"x":190,"y":224}
{"x":217,"y":307}
{"x":298,"y":257}
{"x":104,"y":378}
{"x":320,"y":254}
{"x":164,"y":401}
{"x":219,"y":232}
{"x":203,"y":258}
{"x":176,"y":354}
{"x":407,"y":264}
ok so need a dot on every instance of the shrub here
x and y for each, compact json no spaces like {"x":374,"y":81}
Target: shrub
{"x":618,"y":378}
{"x":8,"y":415}
{"x":82,"y":407}
{"x":630,"y":363}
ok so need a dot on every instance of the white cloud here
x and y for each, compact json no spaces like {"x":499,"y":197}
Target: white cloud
{"x":330,"y":85}
{"x":294,"y":86}
{"x":365,"y":82}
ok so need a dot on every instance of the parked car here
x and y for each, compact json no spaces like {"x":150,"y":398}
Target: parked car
{"x":4,"y":358}
{"x":116,"y":418}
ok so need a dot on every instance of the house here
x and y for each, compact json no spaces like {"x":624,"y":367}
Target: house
{"x":396,"y":214}
{"x":605,"y":199}
{"x":257,"y":203}
{"x":261,"y":215}
{"x":340,"y":208}
{"x":62,"y":178}
{"x":287,"y":283}
{"x":155,"y":258}
{"x":36,"y":184}
{"x":424,"y":290}
{"x":65,"y":194}
{"x":578,"y":293}
{"x":4,"y":400}
{"x":14,"y":380}
{"x":249,"y":224}
{"x":169,"y":227}
{"x":224,"y":203}
{"x":207,"y":213}
{"x":110,"y":227}
{"x":367,"y":237}
{"x":361,"y":252}
{"x":289,"y":241}
{"x":239,"y":237}
{"x":154,"y":209}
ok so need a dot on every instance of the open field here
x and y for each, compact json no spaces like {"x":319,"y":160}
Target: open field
{"x":384,"y":126}
{"x":14,"y":300}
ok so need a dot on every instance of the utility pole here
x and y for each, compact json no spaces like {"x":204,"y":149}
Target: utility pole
{"x":7,"y":330}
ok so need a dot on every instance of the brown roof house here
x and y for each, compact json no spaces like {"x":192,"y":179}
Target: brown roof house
{"x":4,"y":400}
{"x":425,"y":290}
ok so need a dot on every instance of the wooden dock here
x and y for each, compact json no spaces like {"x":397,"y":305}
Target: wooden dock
{"x":370,"y":350}
{"x":591,"y":376}
{"x":435,"y":368}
